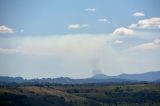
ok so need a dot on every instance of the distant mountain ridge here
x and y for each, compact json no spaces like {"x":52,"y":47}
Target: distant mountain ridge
{"x":11,"y":79}
{"x":99,"y":78}
{"x":149,"y":76}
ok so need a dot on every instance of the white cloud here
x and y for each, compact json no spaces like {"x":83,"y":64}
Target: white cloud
{"x":123,"y":31}
{"x":117,"y":42}
{"x":151,"y":23}
{"x":102,"y":20}
{"x":133,"y":26}
{"x":77,"y":26}
{"x":148,"y":46}
{"x":91,"y":9}
{"x":138,"y":14}
{"x":5,"y":29}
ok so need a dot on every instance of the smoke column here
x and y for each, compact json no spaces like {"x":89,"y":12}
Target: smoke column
{"x":95,"y":65}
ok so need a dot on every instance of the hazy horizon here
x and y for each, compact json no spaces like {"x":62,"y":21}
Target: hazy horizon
{"x":80,"y":77}
{"x":77,"y":39}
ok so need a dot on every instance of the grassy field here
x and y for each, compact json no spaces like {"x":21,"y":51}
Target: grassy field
{"x":81,"y":95}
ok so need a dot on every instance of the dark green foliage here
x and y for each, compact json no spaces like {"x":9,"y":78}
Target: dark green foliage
{"x":119,"y":95}
{"x":118,"y":89}
{"x":82,"y":95}
{"x":128,"y":89}
{"x":7,"y":99}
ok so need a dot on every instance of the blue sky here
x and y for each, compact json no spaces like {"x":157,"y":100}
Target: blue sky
{"x":74,"y":38}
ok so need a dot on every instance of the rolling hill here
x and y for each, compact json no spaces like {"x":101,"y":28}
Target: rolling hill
{"x":99,"y":78}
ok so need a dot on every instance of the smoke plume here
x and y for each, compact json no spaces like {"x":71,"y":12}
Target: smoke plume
{"x":95,"y":66}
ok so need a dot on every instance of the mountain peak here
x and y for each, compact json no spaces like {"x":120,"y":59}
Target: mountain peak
{"x":100,"y":76}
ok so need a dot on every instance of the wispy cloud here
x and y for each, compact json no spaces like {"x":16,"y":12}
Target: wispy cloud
{"x":103,"y":20}
{"x":58,"y":45}
{"x":8,"y":51}
{"x":151,"y":23}
{"x":77,"y":26}
{"x":91,"y":9}
{"x":5,"y":29}
{"x":123,"y":31}
{"x":117,"y":42}
{"x":138,"y":14}
{"x":155,"y":44}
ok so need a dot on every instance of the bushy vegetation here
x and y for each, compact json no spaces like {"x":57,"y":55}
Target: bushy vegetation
{"x":8,"y":99}
{"x":81,"y":95}
{"x":119,"y":95}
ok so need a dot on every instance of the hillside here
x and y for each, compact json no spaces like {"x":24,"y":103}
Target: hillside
{"x":40,"y":96}
{"x":81,"y":95}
